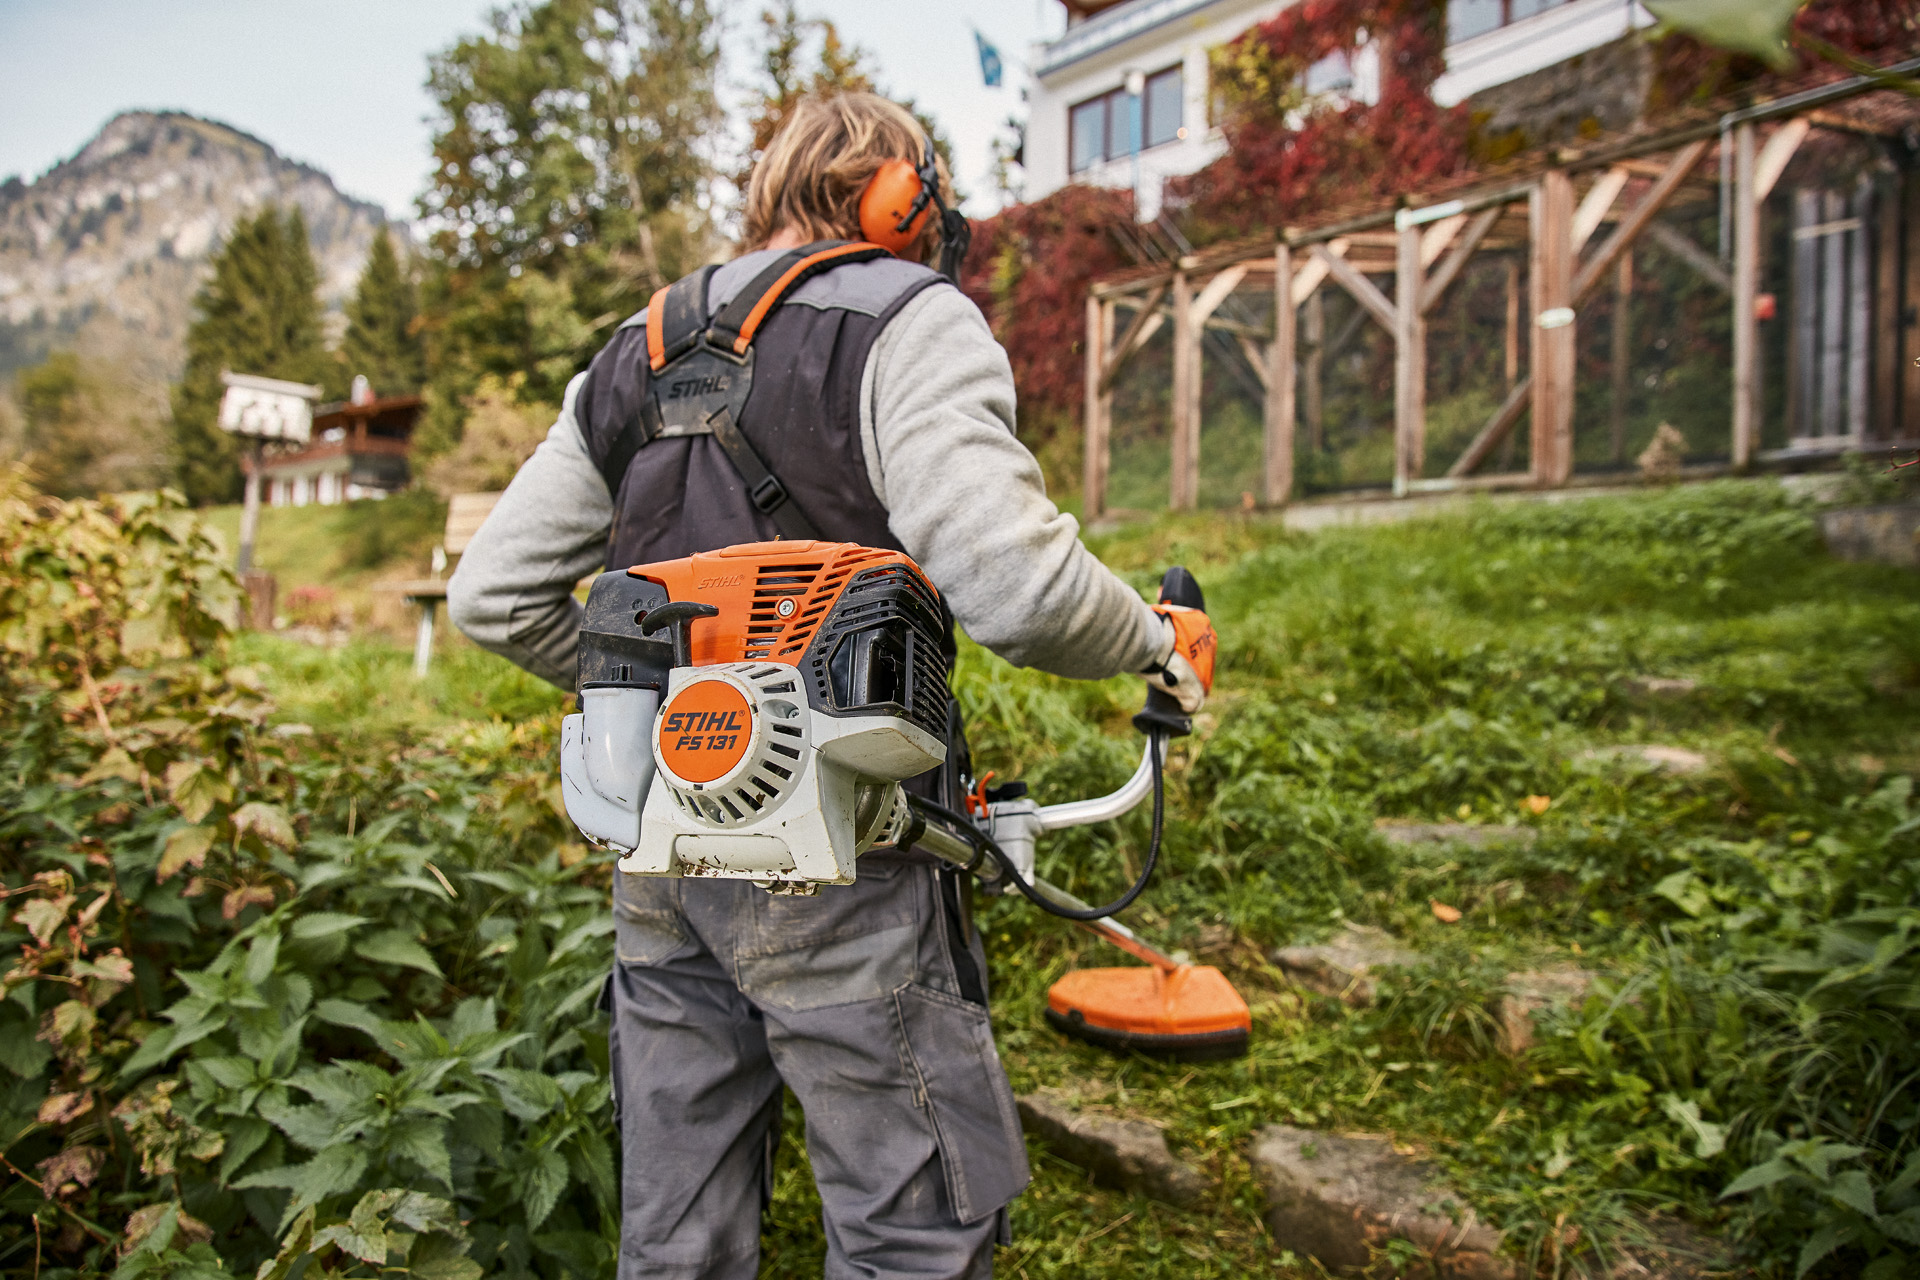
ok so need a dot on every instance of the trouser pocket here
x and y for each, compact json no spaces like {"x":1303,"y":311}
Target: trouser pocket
{"x":958,"y":1077}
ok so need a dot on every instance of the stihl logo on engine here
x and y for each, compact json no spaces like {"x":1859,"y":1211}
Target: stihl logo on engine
{"x":711,"y":385}
{"x":713,"y":584}
{"x":704,"y":731}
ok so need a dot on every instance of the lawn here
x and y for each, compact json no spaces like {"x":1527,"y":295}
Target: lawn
{"x":1752,"y":925}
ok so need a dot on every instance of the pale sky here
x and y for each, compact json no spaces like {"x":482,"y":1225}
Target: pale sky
{"x":340,"y":85}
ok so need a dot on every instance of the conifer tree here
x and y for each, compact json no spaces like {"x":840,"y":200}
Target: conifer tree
{"x":259,"y":312}
{"x":382,"y":339}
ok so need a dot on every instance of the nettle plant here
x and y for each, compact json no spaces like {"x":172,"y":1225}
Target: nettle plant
{"x":273,"y":1003}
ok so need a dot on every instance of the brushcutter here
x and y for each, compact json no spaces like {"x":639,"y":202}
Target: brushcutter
{"x":772,"y":711}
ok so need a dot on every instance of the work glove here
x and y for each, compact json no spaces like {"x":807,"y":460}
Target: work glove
{"x":1185,"y":668}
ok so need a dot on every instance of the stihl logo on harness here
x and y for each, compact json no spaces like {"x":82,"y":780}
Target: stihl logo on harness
{"x":708,"y":386}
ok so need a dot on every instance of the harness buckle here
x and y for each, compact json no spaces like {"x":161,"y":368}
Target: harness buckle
{"x":768,"y":494}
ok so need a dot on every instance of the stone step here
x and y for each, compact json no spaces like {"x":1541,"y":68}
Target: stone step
{"x":1339,"y":1200}
{"x":1125,"y":1155}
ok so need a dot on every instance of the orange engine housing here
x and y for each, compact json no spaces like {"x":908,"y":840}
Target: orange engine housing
{"x":749,"y":583}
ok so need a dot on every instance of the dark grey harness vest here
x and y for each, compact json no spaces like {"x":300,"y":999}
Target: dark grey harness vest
{"x":676,"y":488}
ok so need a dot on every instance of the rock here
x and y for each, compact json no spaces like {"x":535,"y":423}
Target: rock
{"x":1127,"y":1155}
{"x":1675,"y":760}
{"x":1337,"y":1199}
{"x":1343,"y":966}
{"x":1659,"y":688}
{"x":1668,"y":1249}
{"x":1887,"y":534}
{"x":1524,"y":996}
{"x":1479,"y":837}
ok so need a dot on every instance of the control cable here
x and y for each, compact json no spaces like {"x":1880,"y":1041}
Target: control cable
{"x":964,"y":828}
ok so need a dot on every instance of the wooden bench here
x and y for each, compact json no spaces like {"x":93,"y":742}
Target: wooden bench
{"x":466,"y":512}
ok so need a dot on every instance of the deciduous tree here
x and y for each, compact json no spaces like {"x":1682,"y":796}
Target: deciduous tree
{"x":573,"y":149}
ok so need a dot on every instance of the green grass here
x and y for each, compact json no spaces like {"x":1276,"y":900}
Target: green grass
{"x":1446,"y":669}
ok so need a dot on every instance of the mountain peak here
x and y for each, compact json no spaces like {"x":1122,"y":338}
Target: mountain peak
{"x":104,"y":251}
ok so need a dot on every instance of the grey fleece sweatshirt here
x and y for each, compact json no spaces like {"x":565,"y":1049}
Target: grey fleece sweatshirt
{"x":963,"y":496}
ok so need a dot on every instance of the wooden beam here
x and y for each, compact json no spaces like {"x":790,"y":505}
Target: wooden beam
{"x":1746,"y":279}
{"x":1681,"y":246}
{"x":1436,"y":238}
{"x":1553,"y":329}
{"x":1409,"y":367}
{"x":1098,"y":411}
{"x":1442,"y":279}
{"x":1313,"y":404}
{"x":1146,"y":320}
{"x":1216,"y":292}
{"x":1620,"y":357}
{"x":1593,"y":208}
{"x":1773,"y":158}
{"x":1184,"y":474}
{"x":1314,"y":269}
{"x":1628,"y":229}
{"x":1363,"y":290}
{"x":1502,"y":422}
{"x":1256,"y":355}
{"x":1277,"y":430}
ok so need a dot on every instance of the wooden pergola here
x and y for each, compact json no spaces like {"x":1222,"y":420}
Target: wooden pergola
{"x":1573,"y":215}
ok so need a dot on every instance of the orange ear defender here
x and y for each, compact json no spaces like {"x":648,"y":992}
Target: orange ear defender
{"x":894,"y":208}
{"x":898,"y":200}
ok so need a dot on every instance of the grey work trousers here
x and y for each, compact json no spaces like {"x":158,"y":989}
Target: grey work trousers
{"x":868,"y":1001}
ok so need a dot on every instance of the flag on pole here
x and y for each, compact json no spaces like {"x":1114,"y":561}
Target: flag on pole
{"x":989,"y":60}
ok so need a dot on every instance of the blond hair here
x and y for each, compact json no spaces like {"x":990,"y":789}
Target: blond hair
{"x":813,"y":172}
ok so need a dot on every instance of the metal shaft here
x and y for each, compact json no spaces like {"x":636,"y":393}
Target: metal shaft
{"x":949,"y":847}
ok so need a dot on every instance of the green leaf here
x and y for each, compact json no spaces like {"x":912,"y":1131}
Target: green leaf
{"x":1757,"y":28}
{"x":186,"y":847}
{"x":268,"y":821}
{"x":418,"y":1211}
{"x":546,"y":1182}
{"x":324,"y":924}
{"x":1759,"y":1176}
{"x":295,"y":1243}
{"x":442,"y":1257}
{"x":1854,"y":1189}
{"x":425,"y":1143}
{"x":335,"y":1170}
{"x":1684,"y":890}
{"x":1820,"y":1244}
{"x":1709,"y":1139}
{"x":395,"y":947}
{"x":262,"y":953}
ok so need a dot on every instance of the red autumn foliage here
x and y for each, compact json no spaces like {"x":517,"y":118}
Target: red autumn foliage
{"x":1877,"y":31}
{"x":1281,"y":166}
{"x":1029,"y":270}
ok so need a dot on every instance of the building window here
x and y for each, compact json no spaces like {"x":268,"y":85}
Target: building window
{"x":1469,"y":18}
{"x":1166,"y":94}
{"x":1102,"y":128}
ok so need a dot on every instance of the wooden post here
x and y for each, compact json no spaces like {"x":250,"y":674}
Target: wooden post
{"x":250,"y":508}
{"x":1512,"y":353}
{"x":1746,"y":280}
{"x":1551,"y":207}
{"x":1277,"y":475}
{"x":1409,"y":366}
{"x":1313,"y":400}
{"x":1620,"y":356}
{"x":1886,"y":308}
{"x":1184,"y":486}
{"x":1099,"y":410}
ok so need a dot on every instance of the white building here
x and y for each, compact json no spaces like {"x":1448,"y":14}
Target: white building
{"x":1085,"y":125}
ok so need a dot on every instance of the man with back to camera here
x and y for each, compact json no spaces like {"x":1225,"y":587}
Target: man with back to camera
{"x":882,"y":409}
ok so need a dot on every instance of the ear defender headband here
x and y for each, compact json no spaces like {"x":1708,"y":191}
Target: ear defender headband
{"x":897,"y":202}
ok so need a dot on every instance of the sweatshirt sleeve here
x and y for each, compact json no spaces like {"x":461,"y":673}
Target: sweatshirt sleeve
{"x":513,"y":590}
{"x":967,"y":501}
